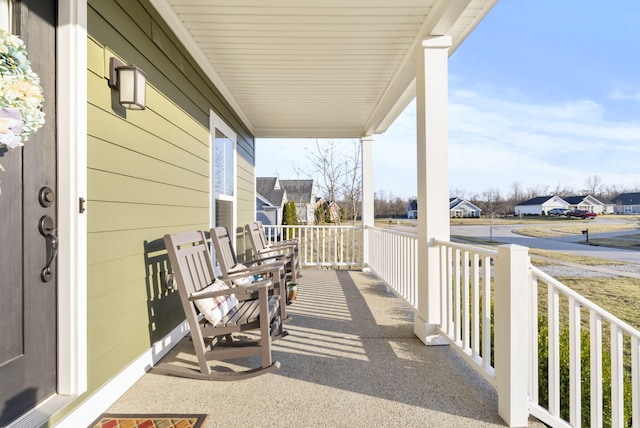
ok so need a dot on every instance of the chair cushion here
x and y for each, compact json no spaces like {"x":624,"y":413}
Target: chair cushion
{"x":214,"y":308}
{"x":241,"y":281}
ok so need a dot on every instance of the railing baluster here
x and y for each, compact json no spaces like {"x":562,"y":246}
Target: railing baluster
{"x":554,"y":351}
{"x":635,"y":381}
{"x":575,"y":364}
{"x":533,"y":341}
{"x":617,"y":385}
{"x":486,"y":315}
{"x":466,"y":329}
{"x":456,"y":294}
{"x":444,"y":307}
{"x":595,"y":325}
{"x":475,"y":318}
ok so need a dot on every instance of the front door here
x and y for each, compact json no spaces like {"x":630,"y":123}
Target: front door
{"x":28,"y":191}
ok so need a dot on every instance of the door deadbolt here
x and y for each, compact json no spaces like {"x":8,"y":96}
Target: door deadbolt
{"x":46,"y":197}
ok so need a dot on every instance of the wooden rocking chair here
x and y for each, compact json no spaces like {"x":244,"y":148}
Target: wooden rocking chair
{"x":264,"y":250}
{"x":225,"y":311}
{"x":241,"y":273}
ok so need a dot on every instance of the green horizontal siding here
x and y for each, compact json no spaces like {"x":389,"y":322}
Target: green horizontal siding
{"x":148,"y":175}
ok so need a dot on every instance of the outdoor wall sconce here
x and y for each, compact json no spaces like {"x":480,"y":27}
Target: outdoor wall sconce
{"x":130,"y":81}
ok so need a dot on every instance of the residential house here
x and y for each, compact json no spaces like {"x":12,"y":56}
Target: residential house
{"x":461,"y":208}
{"x":540,"y":205}
{"x":458,"y":208}
{"x":273,"y":193}
{"x":589,"y":203}
{"x":270,"y":200}
{"x":301,"y":193}
{"x":412,"y":209}
{"x":331,"y":211}
{"x":627,"y":203}
{"x":105,"y":179}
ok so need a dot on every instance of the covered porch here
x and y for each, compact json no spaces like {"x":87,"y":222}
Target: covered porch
{"x":356,"y":353}
{"x":351,"y":359}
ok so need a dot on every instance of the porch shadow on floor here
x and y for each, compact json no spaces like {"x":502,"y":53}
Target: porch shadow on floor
{"x":351,"y":360}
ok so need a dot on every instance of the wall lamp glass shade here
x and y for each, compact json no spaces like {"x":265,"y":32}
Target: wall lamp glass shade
{"x":131,"y":83}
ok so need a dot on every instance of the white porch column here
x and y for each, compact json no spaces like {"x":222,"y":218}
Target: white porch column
{"x":367,"y":196}
{"x":511,"y":329}
{"x":432,"y":105}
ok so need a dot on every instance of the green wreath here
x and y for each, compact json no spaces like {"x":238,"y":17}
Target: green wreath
{"x":21,"y":96}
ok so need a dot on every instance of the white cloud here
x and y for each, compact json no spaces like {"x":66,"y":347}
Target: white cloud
{"x":503,"y":141}
{"x":494,"y":141}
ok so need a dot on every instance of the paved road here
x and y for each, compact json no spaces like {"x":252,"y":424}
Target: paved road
{"x":505,"y":233}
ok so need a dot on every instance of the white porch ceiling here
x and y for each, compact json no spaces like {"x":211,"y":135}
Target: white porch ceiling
{"x":316,"y":68}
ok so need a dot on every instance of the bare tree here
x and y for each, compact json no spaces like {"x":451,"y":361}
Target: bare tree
{"x":457,"y":193}
{"x":492,"y":203}
{"x":390,"y":205}
{"x":352,"y":180}
{"x":337,"y":173}
{"x":593,"y":184}
{"x":327,"y":170}
{"x":517,"y":194}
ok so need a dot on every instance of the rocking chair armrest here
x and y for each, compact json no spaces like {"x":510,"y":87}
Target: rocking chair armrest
{"x":254,"y":270}
{"x":214,"y":293}
{"x":275,"y":257}
{"x":227,"y":291}
{"x":255,"y":286}
{"x":280,"y":246}
{"x":280,"y":259}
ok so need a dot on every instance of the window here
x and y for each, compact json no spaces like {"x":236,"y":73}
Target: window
{"x":224,"y":164}
{"x":223,"y":174}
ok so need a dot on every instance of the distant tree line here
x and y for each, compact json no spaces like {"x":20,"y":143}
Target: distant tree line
{"x":386,"y":205}
{"x":494,"y":204}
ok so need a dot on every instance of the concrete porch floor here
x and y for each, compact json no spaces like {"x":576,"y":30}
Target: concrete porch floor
{"x":351,"y":359}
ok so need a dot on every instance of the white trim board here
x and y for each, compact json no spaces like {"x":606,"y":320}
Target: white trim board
{"x":103,"y":398}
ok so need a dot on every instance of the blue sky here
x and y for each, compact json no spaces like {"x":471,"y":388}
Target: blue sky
{"x":544,"y":93}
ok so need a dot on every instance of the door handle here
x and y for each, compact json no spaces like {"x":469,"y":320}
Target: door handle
{"x":47,"y":229}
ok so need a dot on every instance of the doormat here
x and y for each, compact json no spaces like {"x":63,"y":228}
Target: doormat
{"x":149,"y":421}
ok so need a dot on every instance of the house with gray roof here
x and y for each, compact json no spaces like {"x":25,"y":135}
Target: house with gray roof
{"x":458,"y":208}
{"x":540,"y":205}
{"x":270,"y":200}
{"x":272,"y":193}
{"x":412,"y":209}
{"x":627,"y":203}
{"x":589,"y":203}
{"x":301,"y":193}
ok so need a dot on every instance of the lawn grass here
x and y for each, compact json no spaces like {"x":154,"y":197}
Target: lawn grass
{"x":575,"y":229}
{"x":475,"y":240}
{"x":573,"y":258}
{"x":618,"y":295}
{"x":622,"y":242}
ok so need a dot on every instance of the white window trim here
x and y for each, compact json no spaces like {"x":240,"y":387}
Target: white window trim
{"x":72,"y":185}
{"x":215,"y":122}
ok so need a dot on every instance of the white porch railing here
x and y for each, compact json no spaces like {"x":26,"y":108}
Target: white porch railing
{"x":393,"y":256}
{"x":323,"y":246}
{"x":580,"y":364}
{"x":580,"y":330}
{"x":466,"y":287}
{"x":581,"y":358}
